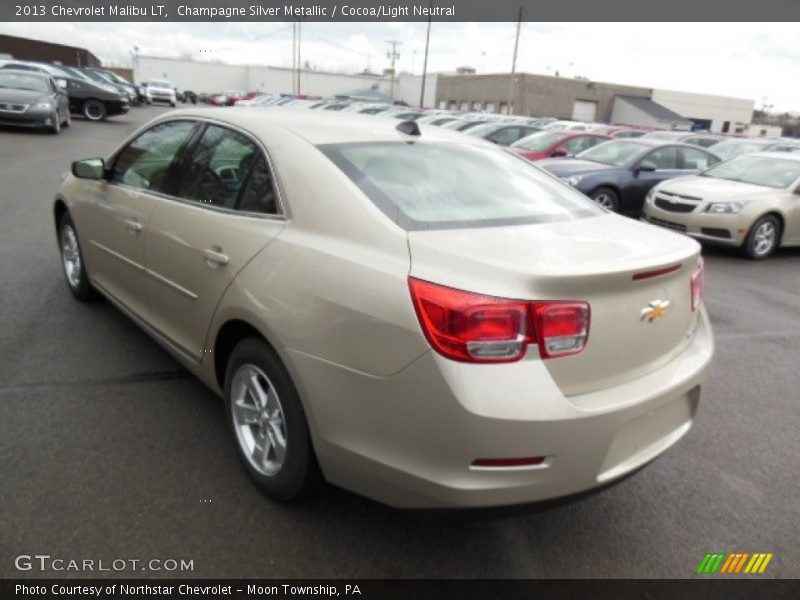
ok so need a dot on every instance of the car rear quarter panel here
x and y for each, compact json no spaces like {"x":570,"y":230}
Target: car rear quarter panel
{"x":333,"y":285}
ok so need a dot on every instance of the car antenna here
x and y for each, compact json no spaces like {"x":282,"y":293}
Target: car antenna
{"x":409,"y":128}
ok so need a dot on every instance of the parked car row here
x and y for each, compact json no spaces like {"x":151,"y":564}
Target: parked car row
{"x":91,"y":93}
{"x":630,"y":170}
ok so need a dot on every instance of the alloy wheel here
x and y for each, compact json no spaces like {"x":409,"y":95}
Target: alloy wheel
{"x":764,"y":238}
{"x":258,"y":419}
{"x":71,"y":255}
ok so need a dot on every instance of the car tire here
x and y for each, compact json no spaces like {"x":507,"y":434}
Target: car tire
{"x":268,"y":423}
{"x":55,"y":128}
{"x":763,"y":239}
{"x":68,"y":119}
{"x":173,"y":104}
{"x":72,"y":260}
{"x":606,"y":197}
{"x":94,"y":110}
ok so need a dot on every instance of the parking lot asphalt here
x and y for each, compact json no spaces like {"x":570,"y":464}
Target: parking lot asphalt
{"x":109,"y":449}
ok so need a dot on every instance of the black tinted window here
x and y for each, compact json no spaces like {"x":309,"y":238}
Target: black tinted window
{"x":145,"y":162}
{"x":228,"y":169}
{"x":258,"y":194}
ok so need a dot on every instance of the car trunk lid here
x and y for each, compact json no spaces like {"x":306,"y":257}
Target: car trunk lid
{"x":640,"y":317}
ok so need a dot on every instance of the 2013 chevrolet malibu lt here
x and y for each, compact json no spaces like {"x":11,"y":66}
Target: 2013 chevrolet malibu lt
{"x":420,"y":318}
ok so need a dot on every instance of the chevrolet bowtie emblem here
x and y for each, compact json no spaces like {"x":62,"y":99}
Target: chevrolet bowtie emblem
{"x":655,"y":310}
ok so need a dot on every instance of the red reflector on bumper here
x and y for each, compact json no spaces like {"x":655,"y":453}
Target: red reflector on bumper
{"x":508,"y":462}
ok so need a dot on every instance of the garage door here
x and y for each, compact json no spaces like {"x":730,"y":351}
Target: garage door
{"x":584,"y":110}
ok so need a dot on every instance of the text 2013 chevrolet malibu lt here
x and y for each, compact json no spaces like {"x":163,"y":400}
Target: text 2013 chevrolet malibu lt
{"x":422,"y":318}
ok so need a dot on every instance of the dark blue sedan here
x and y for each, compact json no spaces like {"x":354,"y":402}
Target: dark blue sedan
{"x":618,"y":174}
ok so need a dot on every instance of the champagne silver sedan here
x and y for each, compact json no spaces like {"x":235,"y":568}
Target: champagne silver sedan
{"x":418,"y":317}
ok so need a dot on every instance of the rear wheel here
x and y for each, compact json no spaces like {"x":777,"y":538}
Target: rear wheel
{"x":94,"y":110}
{"x":68,"y":119}
{"x":763,"y":239}
{"x":606,"y":197}
{"x":72,"y":260}
{"x":268,"y":422}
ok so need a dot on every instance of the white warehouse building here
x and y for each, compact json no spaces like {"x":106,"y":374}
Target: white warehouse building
{"x":718,"y":114}
{"x":208,"y":77}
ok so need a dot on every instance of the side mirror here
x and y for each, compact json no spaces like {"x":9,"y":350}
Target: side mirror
{"x":89,"y":168}
{"x":647,"y":166}
{"x":559,"y":152}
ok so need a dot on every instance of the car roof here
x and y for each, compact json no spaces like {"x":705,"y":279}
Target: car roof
{"x":319,"y":127}
{"x":647,"y":141}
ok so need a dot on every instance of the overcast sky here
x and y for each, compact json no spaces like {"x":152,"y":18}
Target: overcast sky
{"x":759,"y":61}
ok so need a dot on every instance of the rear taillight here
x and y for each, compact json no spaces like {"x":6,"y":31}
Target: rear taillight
{"x":561,"y":327}
{"x":475,"y":328}
{"x":698,"y":283}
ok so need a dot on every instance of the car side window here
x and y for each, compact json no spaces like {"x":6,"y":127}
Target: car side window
{"x":145,"y":162}
{"x":227,"y":169}
{"x":695,"y":160}
{"x":258,"y":193}
{"x":579,"y":144}
{"x":506,"y":136}
{"x":663,"y":158}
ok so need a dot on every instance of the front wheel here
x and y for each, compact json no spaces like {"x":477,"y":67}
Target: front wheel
{"x":606,"y":197}
{"x":763,"y":239}
{"x":268,"y":422}
{"x":56,"y":123}
{"x":72,"y":260}
{"x":94,"y":110}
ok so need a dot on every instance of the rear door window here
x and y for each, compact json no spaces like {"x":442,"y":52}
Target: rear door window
{"x":227,"y":169}
{"x":665,"y":158}
{"x":695,"y":160}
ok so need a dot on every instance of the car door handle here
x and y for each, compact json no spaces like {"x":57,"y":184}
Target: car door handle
{"x":133,"y":227}
{"x":215,"y":258}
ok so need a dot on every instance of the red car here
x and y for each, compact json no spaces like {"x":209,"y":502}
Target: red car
{"x":549,"y":144}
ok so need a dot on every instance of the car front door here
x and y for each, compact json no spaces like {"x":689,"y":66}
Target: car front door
{"x":115,"y":211}
{"x":225,"y":210}
{"x":665,"y":160}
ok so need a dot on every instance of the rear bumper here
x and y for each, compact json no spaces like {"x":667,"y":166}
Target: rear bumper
{"x":408,"y":440}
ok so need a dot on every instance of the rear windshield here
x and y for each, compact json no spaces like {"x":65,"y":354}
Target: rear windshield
{"x":441,"y":185}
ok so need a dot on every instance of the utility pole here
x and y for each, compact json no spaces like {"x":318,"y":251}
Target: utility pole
{"x":299,"y":62}
{"x":393,"y":56}
{"x":425,"y":60}
{"x":514,"y":63}
{"x":294,"y":58}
